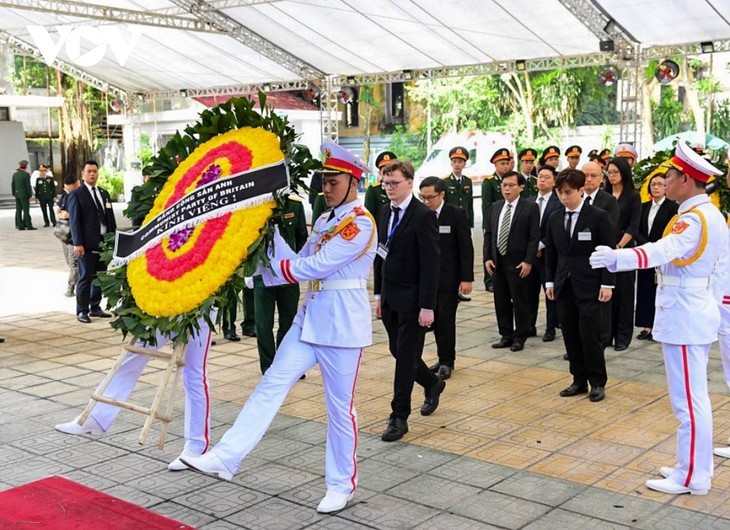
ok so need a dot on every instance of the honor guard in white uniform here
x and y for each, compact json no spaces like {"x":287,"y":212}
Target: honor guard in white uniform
{"x":331,"y":328}
{"x":197,"y":396}
{"x":724,"y":335}
{"x":691,"y":259}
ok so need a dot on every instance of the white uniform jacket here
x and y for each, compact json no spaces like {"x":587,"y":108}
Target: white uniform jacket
{"x":337,"y":317}
{"x":688,"y":293}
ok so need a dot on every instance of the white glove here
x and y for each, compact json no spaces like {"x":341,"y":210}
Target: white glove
{"x":602,"y":257}
{"x":249,"y":281}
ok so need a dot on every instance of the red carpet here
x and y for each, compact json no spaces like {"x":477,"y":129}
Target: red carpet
{"x":60,"y":504}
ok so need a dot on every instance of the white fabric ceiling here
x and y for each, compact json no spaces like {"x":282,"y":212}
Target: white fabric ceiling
{"x":351,"y":37}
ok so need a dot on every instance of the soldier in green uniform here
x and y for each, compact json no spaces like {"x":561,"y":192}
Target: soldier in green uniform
{"x":45,"y":192}
{"x":573,"y":153}
{"x":459,"y":191}
{"x":293,"y":229}
{"x":375,"y":196}
{"x":319,"y":207}
{"x":527,"y":168}
{"x":248,"y":326}
{"x":491,"y":193}
{"x":22,"y":191}
{"x":551,"y":156}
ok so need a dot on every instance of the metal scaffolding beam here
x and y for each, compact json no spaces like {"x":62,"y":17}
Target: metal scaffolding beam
{"x":19,"y":47}
{"x":212,"y":5}
{"x":250,"y":39}
{"x":113,"y":14}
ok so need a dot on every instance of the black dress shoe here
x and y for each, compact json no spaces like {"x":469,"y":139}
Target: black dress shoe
{"x":490,"y":288}
{"x":597,"y":394}
{"x":463,"y":298}
{"x":565,"y":357}
{"x":31,"y":228}
{"x":549,"y":336}
{"x":573,"y":390}
{"x":249,"y":333}
{"x":517,"y":346}
{"x":503,"y":343}
{"x":98,"y":313}
{"x":433,"y":395}
{"x":46,"y":225}
{"x":644,"y":335}
{"x":2,"y":339}
{"x":435,"y":367}
{"x":621,"y":347}
{"x":444,"y":372}
{"x":83,"y":318}
{"x":532,"y":333}
{"x":232,"y":337}
{"x":397,"y":428}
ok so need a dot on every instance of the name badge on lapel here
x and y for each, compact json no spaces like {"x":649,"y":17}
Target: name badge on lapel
{"x":445,"y":229}
{"x":382,"y":251}
{"x":584,"y":235}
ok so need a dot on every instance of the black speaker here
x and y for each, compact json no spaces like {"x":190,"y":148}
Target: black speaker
{"x":606,"y":46}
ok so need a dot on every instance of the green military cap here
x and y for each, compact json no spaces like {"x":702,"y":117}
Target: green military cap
{"x":592,"y":153}
{"x":550,"y":151}
{"x":527,"y":155}
{"x":573,"y":150}
{"x":459,"y":152}
{"x":500,"y":154}
{"x":385,"y":158}
{"x":605,"y":155}
{"x":23,"y":163}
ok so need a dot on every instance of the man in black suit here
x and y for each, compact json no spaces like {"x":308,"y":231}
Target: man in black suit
{"x":510,"y":250}
{"x":406,"y":283}
{"x":457,"y":270}
{"x":574,"y":232}
{"x":91,"y":217}
{"x":595,"y":196}
{"x":547,"y":202}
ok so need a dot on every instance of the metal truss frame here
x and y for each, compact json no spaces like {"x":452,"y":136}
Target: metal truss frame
{"x":113,"y":14}
{"x":21,"y":47}
{"x":210,"y":5}
{"x":250,"y":39}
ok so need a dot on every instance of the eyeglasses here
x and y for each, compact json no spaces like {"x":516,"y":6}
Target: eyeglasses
{"x":392,"y":184}
{"x":428,"y":198}
{"x":658,"y":185}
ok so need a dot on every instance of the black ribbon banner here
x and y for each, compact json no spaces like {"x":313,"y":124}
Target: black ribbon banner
{"x":207,"y":202}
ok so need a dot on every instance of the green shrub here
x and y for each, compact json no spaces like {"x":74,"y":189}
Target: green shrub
{"x":112,"y":181}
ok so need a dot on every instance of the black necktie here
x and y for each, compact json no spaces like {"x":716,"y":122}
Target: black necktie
{"x":99,"y":207}
{"x":396,"y":214}
{"x":569,"y":223}
{"x":588,"y":200}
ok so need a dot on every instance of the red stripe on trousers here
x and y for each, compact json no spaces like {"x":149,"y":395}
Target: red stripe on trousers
{"x":354,"y":423}
{"x":207,"y":395}
{"x":691,"y":417}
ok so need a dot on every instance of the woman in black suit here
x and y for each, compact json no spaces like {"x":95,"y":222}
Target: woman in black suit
{"x":655,"y":215}
{"x":620,"y":185}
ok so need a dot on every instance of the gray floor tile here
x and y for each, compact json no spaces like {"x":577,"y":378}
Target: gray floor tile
{"x":379,"y":476}
{"x":126,"y":468}
{"x":221,"y":499}
{"x":433,"y":491}
{"x":612,"y":507}
{"x":274,"y":479}
{"x":473,"y":472}
{"x":500,"y":510}
{"x":565,"y":520}
{"x":385,"y":512}
{"x":181,"y":513}
{"x":135,"y":496}
{"x":673,"y":518}
{"x":275,"y":514}
{"x":450,"y":520}
{"x":538,"y":488}
{"x":413,"y":457}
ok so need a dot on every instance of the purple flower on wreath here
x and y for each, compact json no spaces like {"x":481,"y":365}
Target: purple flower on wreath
{"x":179,"y":238}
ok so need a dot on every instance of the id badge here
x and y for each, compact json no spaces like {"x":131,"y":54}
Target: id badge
{"x":584,"y":236}
{"x":382,"y":251}
{"x":445,"y":229}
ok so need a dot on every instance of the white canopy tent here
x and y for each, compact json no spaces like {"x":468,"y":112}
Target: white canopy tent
{"x":208,"y":47}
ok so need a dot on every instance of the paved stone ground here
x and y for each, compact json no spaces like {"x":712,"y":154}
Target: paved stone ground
{"x":502,"y":451}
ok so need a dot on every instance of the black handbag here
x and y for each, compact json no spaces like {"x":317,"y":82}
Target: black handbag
{"x":62,"y":231}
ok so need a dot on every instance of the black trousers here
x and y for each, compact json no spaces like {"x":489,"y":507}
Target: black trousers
{"x":580,"y":321}
{"x":88,"y":295}
{"x":537,"y":281}
{"x":444,"y":327}
{"x":645,"y":298}
{"x":47,"y":209}
{"x":511,"y":301}
{"x":622,"y":308}
{"x":405,"y":340}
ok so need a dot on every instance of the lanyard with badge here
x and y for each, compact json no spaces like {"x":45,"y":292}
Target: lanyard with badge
{"x":382,"y":250}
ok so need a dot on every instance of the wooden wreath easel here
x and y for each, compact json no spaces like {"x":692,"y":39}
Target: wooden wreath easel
{"x":175,"y":361}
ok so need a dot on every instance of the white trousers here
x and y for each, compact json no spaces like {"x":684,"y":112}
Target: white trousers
{"x":195,"y":380}
{"x":339,"y":367}
{"x":686,"y":367}
{"x":724,"y":337}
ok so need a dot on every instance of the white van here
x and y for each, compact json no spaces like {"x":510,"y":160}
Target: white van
{"x":481,"y":147}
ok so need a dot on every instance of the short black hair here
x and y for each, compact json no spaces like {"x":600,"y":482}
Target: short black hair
{"x":573,"y":178}
{"x":437,"y":183}
{"x":90,"y":163}
{"x":520,"y":177}
{"x":70,"y":179}
{"x":550,"y":168}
